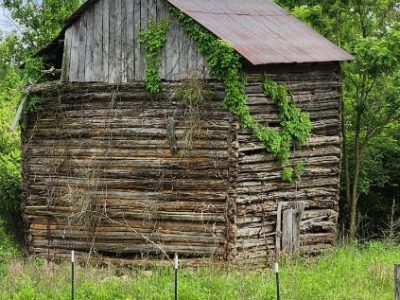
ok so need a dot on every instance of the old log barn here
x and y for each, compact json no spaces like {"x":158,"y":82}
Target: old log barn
{"x":176,"y":126}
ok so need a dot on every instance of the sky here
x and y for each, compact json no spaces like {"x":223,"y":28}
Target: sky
{"x":6,"y":23}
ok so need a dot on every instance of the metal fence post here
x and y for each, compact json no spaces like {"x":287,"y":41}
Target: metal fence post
{"x":397,"y":282}
{"x":278,"y":292}
{"x":72,"y":275}
{"x":176,"y":266}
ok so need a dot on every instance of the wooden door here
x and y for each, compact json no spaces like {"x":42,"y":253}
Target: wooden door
{"x":288,"y":228}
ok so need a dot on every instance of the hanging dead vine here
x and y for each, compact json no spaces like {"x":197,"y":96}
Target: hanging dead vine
{"x":84,"y":203}
{"x":193,"y":94}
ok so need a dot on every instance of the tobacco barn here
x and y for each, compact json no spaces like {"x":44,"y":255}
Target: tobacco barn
{"x":118,"y":167}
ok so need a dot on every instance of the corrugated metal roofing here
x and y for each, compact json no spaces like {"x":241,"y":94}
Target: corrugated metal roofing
{"x":262,"y":31}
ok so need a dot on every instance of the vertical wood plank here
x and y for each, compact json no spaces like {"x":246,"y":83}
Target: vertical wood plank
{"x":278,"y":229}
{"x":152,"y":10}
{"x":168,"y":51}
{"x":171,"y":55}
{"x":158,"y":10}
{"x":143,"y":26}
{"x":163,"y":15}
{"x":137,"y":46}
{"x":190,"y":56}
{"x":124,"y":41}
{"x":89,"y":60}
{"x":82,"y":47}
{"x":175,"y":55}
{"x":66,"y":56}
{"x":152,"y":14}
{"x":297,"y":217}
{"x":183,"y":54}
{"x":296,"y":230}
{"x":113,"y":42}
{"x":106,"y":40}
{"x":118,"y":42}
{"x":74,"y":62}
{"x":195,"y":58}
{"x":287,"y":230}
{"x":200,"y":64}
{"x":206,"y":69}
{"x":98,"y":43}
{"x":130,"y":40}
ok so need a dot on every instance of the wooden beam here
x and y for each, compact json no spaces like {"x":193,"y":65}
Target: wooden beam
{"x":18,"y":115}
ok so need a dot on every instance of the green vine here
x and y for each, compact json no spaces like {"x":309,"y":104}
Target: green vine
{"x":33,"y":104}
{"x":225,"y":66}
{"x":153,"y":39}
{"x":295,"y":128}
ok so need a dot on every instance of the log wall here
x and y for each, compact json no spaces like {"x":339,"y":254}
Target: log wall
{"x":101,"y":173}
{"x":261,"y":194}
{"x":103,"y":44}
{"x":101,"y":154}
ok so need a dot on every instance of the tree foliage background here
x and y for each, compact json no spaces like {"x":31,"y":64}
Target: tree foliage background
{"x":368,"y":29}
{"x":38,"y":22}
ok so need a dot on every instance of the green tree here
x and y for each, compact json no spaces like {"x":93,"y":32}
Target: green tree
{"x":10,"y":84}
{"x":40,"y":22}
{"x":370,"y":30}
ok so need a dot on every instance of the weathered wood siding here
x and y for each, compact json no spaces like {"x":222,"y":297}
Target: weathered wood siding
{"x":109,"y":145}
{"x":260,"y":190}
{"x":103,"y":45}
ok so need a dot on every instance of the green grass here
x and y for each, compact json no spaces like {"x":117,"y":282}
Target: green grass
{"x":348,"y":273}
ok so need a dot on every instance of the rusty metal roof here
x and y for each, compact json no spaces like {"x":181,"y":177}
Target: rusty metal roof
{"x":262,"y":31}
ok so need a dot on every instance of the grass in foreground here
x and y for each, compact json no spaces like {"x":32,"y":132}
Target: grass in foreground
{"x":347,"y":273}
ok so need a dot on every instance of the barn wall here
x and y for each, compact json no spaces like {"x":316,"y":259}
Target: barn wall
{"x":103,"y":45}
{"x":260,"y":190}
{"x":106,"y":149}
{"x":111,"y":144}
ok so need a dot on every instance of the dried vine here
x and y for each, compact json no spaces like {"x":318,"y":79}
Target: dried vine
{"x":192,"y":94}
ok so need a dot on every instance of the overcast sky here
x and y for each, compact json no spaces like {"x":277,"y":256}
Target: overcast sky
{"x":6,"y":23}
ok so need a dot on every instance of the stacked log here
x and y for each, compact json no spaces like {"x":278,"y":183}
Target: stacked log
{"x":107,"y":147}
{"x":101,"y":175}
{"x":317,"y":90}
